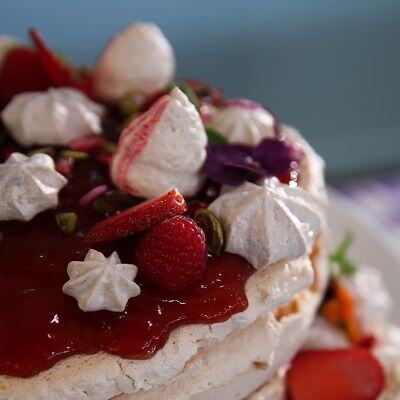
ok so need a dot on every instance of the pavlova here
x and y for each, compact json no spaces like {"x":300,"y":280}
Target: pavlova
{"x":161,"y":241}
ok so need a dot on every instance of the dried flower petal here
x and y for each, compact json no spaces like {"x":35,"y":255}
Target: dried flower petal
{"x":231,"y":164}
{"x":276,"y":155}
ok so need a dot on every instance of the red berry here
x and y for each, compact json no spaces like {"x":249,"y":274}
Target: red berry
{"x":173,"y":254}
{"x":346,"y":374}
{"x":21,"y":71}
{"x":58,"y":73}
{"x":138,"y":218}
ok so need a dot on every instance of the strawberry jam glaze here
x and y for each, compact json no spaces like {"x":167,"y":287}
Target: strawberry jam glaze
{"x":40,"y":325}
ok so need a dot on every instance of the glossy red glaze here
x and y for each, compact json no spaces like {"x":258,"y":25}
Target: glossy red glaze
{"x":40,"y":325}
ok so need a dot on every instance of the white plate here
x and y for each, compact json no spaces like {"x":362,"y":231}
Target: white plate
{"x":372,"y":244}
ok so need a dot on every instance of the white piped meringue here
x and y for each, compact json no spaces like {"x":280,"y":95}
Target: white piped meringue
{"x":6,"y":43}
{"x":28,"y":186}
{"x":268,"y":223}
{"x":138,"y":59}
{"x":244,"y":125}
{"x":100,"y":283}
{"x":164,"y":148}
{"x":54,"y":117}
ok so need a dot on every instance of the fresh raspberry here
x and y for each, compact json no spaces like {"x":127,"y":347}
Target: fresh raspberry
{"x":346,"y":374}
{"x":138,"y":218}
{"x":173,"y":254}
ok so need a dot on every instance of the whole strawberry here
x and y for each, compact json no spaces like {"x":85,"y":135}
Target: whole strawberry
{"x":172,"y":254}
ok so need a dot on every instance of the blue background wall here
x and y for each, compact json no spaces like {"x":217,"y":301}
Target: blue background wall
{"x":331,"y":68}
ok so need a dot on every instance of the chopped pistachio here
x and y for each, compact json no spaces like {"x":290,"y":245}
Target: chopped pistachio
{"x":46,"y":150}
{"x":341,"y":264}
{"x":130,"y":103}
{"x":212,"y":229}
{"x":66,"y":221}
{"x":109,"y":147}
{"x":76,"y":155}
{"x":214,"y":137}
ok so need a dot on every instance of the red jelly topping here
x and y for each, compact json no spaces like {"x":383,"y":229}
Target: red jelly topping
{"x":40,"y":325}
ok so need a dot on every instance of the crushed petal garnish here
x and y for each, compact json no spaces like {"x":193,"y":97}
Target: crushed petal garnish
{"x":92,"y":194}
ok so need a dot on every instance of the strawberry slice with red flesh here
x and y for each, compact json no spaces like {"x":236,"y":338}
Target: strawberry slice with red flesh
{"x":58,"y":73}
{"x":138,"y":218}
{"x":21,"y":71}
{"x":345,"y":374}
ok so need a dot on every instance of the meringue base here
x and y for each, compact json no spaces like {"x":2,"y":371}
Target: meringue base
{"x":238,"y":365}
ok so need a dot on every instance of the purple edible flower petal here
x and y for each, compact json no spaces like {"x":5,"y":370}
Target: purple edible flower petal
{"x":231,"y":164}
{"x":277,"y":155}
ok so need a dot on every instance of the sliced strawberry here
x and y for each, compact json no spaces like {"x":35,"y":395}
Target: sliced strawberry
{"x":21,"y":71}
{"x":58,"y":73}
{"x":172,"y":254}
{"x":138,"y":218}
{"x":345,"y":374}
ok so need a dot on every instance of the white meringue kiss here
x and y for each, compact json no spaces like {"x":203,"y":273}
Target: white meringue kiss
{"x":164,"y":148}
{"x":28,"y":186}
{"x":268,"y":223}
{"x":54,"y":117}
{"x":100,"y":283}
{"x":138,"y":59}
{"x":244,"y":125}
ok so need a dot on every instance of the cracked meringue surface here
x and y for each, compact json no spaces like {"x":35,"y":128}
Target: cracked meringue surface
{"x":244,"y":125}
{"x":165,"y":148}
{"x":267,"y":223}
{"x":138,"y":59}
{"x":54,"y":117}
{"x":100,"y":283}
{"x":28,"y":186}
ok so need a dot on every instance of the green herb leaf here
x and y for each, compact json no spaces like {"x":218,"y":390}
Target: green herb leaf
{"x":212,"y":229}
{"x":341,"y":264}
{"x":66,"y":221}
{"x":214,"y":137}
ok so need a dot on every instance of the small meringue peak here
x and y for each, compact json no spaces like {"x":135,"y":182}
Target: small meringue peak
{"x":163,"y":149}
{"x":54,"y":117}
{"x":245,"y":124}
{"x":28,"y":186}
{"x":100,"y":283}
{"x":267,"y":223}
{"x":138,"y":59}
